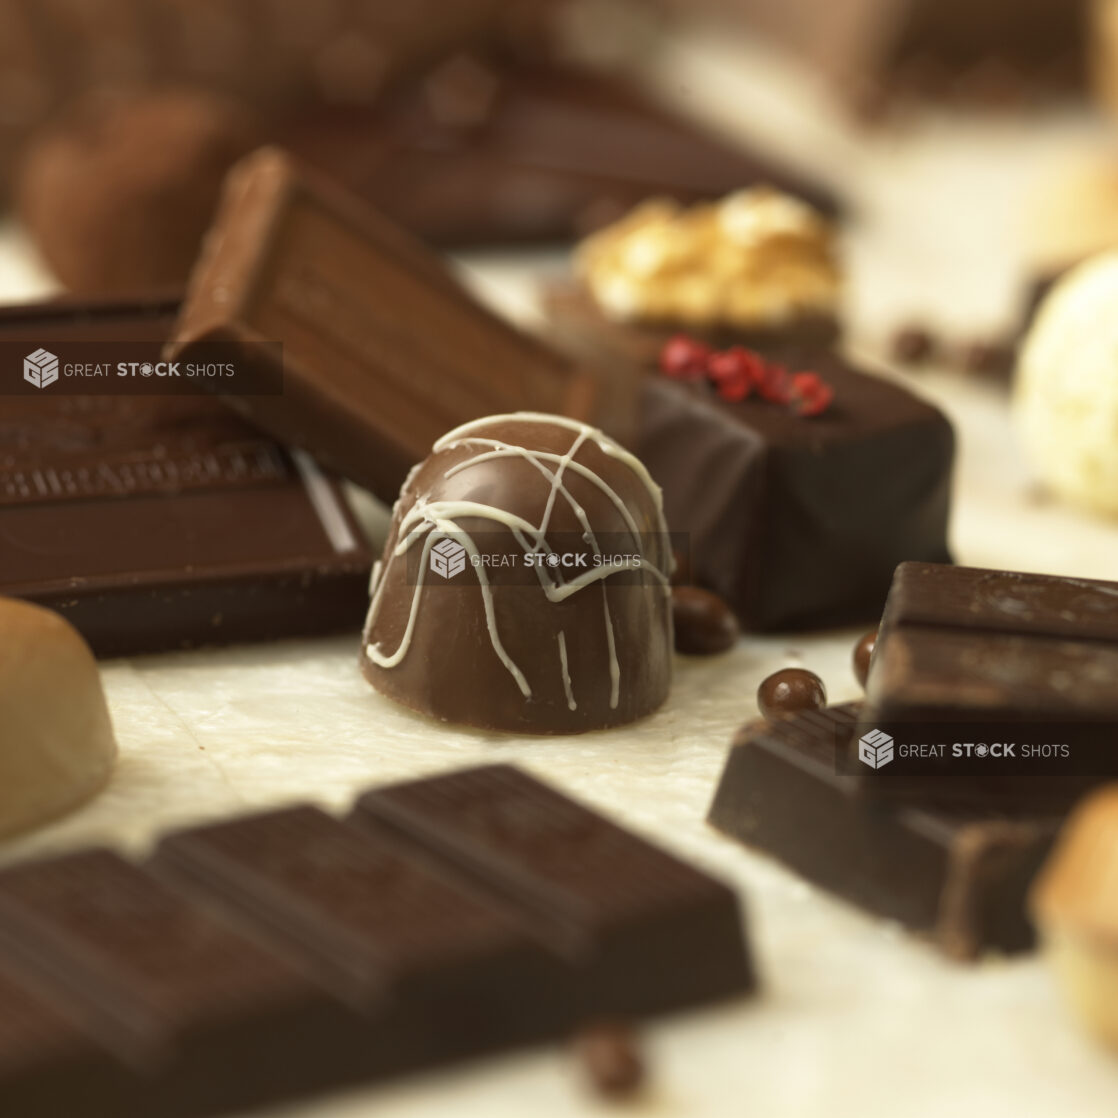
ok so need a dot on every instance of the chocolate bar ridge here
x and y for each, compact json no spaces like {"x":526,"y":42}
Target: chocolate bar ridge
{"x":592,"y":889}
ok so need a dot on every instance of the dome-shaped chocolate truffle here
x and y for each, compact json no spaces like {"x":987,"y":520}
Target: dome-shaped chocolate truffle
{"x":118,"y":193}
{"x":524,"y":584}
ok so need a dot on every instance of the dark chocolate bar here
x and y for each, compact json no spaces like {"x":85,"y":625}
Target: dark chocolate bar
{"x":549,"y":154}
{"x":383,"y":350}
{"x":800,"y":521}
{"x":264,"y":958}
{"x":599,"y":895}
{"x":381,"y":928}
{"x":957,"y":875}
{"x":196,"y":1010}
{"x":159,"y":522}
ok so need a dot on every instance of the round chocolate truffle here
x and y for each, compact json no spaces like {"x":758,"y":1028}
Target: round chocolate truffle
{"x":524,"y":584}
{"x":118,"y":194}
{"x":791,"y":691}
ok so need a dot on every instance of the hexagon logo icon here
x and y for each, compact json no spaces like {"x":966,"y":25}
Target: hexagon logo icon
{"x":40,"y":368}
{"x":875,"y":749}
{"x":448,"y":558}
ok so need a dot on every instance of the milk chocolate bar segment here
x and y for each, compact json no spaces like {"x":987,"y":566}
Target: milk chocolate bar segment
{"x":957,"y":875}
{"x":652,"y":932}
{"x":383,"y":350}
{"x":379,"y":925}
{"x":207,"y":1019}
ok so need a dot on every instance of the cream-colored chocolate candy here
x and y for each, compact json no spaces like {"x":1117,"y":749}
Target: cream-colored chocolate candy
{"x":1075,"y":906}
{"x":1066,"y":396}
{"x":756,"y":259}
{"x":56,"y":741}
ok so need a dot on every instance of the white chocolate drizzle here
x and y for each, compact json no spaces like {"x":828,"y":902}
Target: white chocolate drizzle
{"x":431,"y":521}
{"x":565,"y":669}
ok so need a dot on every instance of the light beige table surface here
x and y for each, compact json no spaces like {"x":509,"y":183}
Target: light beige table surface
{"x":856,"y":1018}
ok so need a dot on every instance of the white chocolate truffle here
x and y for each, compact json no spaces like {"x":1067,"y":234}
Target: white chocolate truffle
{"x":56,"y":740}
{"x":1066,"y":398}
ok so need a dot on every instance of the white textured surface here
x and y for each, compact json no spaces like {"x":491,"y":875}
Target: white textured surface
{"x":856,"y":1018}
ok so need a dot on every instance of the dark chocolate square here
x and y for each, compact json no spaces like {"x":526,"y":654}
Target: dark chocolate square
{"x":957,"y":875}
{"x":800,"y":521}
{"x":957,"y":641}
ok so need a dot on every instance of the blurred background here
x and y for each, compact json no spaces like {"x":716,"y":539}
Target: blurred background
{"x":951,"y":136}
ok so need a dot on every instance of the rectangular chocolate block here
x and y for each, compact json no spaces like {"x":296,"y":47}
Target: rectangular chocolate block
{"x":383,"y":349}
{"x":49,"y":1066}
{"x":958,"y":642}
{"x":206,"y":1019}
{"x":479,"y":153}
{"x":1022,"y":667}
{"x":957,"y":875}
{"x":646,"y":932}
{"x":157,"y":522}
{"x":448,"y":971}
{"x":800,"y":522}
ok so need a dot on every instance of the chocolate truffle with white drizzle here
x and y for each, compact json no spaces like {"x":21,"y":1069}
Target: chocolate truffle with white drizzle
{"x":508,"y":637}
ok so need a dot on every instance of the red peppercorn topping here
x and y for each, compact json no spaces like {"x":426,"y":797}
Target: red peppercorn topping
{"x":810,"y":394}
{"x":684,"y":358}
{"x":737,"y":373}
{"x":733,"y":373}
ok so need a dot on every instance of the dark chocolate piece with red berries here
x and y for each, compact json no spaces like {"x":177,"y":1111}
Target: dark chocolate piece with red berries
{"x":802,"y":484}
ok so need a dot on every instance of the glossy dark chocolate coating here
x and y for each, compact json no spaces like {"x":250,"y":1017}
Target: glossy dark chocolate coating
{"x":790,"y":691}
{"x":800,"y":522}
{"x":957,"y":875}
{"x":704,"y":624}
{"x":567,"y":649}
{"x":383,"y":349}
{"x":162,"y":522}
